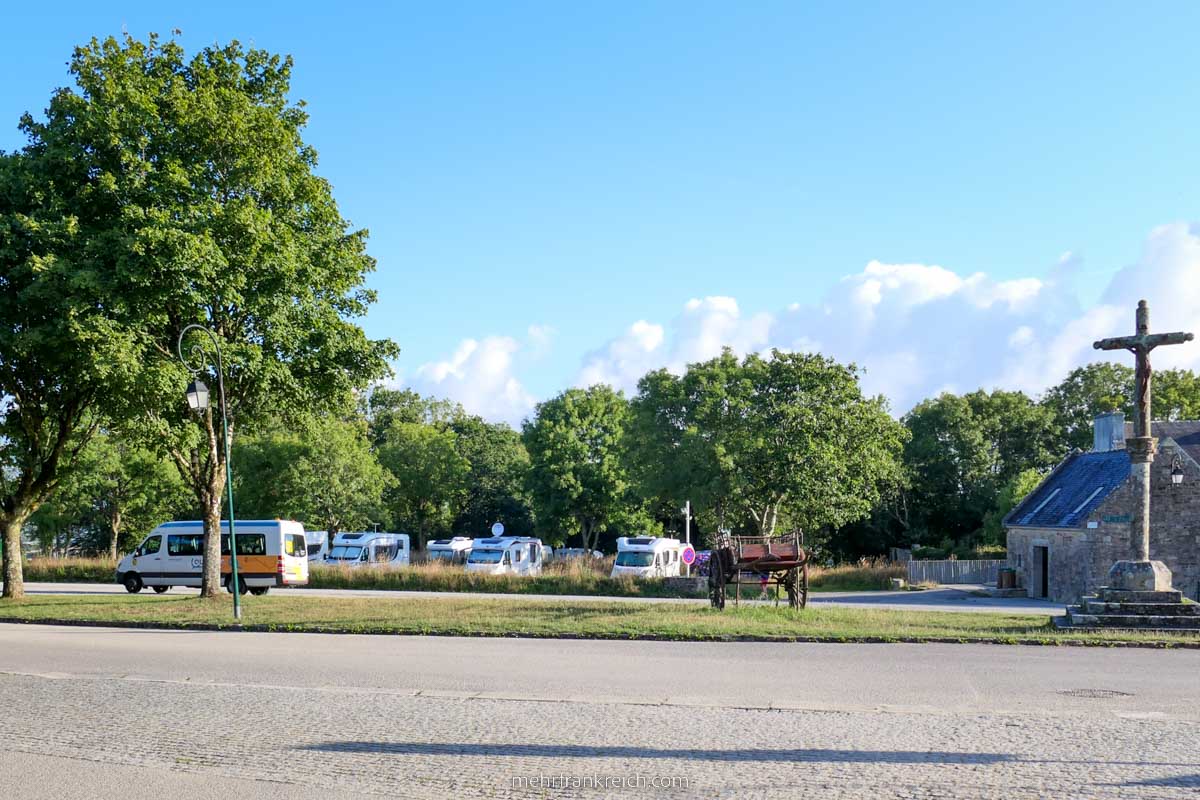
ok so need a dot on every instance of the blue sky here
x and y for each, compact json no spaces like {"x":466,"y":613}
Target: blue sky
{"x":590,"y":168}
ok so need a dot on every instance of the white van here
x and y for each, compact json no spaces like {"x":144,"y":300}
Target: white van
{"x":507,"y":555}
{"x":648,"y":557}
{"x":453,"y":550}
{"x":370,"y":550}
{"x":270,"y":553}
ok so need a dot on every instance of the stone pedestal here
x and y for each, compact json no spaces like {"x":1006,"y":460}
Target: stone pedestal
{"x":1139,"y":576}
{"x":1129,"y":609}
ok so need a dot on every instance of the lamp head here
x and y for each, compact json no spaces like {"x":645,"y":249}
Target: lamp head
{"x":197,"y":396}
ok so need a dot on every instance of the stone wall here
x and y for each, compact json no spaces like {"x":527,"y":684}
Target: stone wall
{"x":1080,"y":557}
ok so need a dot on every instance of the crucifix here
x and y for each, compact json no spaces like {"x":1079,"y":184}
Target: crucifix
{"x":1142,"y":446}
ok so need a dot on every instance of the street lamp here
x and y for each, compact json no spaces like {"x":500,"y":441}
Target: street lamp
{"x":1177,"y":471}
{"x":197,"y":399}
{"x":197,"y":396}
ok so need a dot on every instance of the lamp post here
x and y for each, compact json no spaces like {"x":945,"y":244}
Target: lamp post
{"x":197,"y":397}
{"x":687,"y":533}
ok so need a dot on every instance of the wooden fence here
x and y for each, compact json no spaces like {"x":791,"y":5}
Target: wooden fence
{"x":981,"y":571}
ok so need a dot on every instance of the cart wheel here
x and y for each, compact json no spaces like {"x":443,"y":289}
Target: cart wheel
{"x":716,"y":584}
{"x":791,"y":582}
{"x":804,"y":585}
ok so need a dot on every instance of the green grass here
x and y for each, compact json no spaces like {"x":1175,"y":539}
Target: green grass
{"x":470,"y":616}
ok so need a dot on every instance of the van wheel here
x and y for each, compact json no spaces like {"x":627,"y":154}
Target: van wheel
{"x":241,"y":585}
{"x":160,"y":589}
{"x":259,"y":590}
{"x":133,"y":583}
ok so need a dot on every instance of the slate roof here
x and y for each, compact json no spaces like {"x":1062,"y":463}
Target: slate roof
{"x":1186,"y":434}
{"x":1073,"y":490}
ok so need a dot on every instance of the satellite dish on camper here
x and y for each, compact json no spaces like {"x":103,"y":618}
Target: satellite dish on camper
{"x":498,"y":529}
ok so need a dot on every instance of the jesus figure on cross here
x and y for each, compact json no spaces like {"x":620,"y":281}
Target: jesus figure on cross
{"x":1141,"y":573}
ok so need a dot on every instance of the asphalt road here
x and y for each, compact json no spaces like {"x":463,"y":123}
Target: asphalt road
{"x":182,"y":714}
{"x":950,"y":598}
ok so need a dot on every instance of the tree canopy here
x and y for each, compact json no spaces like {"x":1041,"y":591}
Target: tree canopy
{"x":193,"y":190}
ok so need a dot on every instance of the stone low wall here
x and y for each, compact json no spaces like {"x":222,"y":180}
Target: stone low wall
{"x":955,"y":571}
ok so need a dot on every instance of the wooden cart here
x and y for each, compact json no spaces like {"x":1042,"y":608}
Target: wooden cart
{"x":744,"y":560}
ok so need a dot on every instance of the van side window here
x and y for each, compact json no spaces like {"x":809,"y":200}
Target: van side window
{"x":185,"y":544}
{"x":248,"y":544}
{"x":151,"y":545}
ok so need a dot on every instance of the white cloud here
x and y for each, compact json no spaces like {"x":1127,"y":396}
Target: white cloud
{"x":917,"y":329}
{"x":479,"y":375}
{"x":624,"y":359}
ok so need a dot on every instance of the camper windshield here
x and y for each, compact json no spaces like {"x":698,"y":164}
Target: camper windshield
{"x":627,"y":558}
{"x":344,"y":553}
{"x":485,"y":556}
{"x":440,"y":553}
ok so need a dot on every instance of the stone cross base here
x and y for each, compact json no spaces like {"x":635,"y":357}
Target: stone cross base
{"x":1139,"y":576}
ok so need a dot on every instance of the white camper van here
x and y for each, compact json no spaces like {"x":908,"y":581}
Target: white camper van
{"x":507,"y":555}
{"x":453,"y":550}
{"x":270,"y":553}
{"x":370,"y":550}
{"x":648,"y":557}
{"x":318,"y":546}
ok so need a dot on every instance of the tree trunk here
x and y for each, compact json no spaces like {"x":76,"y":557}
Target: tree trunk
{"x":210,"y":581}
{"x":114,"y":523}
{"x":14,"y":571}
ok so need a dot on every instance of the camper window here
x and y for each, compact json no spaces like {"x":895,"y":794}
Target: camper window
{"x":384,"y":551}
{"x":627,"y":558}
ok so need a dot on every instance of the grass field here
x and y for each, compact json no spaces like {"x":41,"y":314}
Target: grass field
{"x":616,"y":620}
{"x":571,"y":577}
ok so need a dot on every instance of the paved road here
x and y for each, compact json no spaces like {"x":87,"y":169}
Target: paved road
{"x":181,"y":714}
{"x":950,"y":598}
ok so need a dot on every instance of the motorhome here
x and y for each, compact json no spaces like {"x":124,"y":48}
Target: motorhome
{"x":648,"y":557}
{"x":453,"y":550}
{"x":318,"y":546}
{"x":369,"y":549}
{"x":565,"y":553}
{"x":506,"y":555}
{"x":269,"y":553}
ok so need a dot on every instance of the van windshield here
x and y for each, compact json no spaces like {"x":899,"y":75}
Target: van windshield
{"x":485,"y":556}
{"x":344,"y":553}
{"x":627,"y":558}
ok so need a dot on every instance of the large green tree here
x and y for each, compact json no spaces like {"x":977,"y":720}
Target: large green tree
{"x":577,"y":475}
{"x":763,"y":439}
{"x":430,"y":477}
{"x":1084,"y":394}
{"x":199,"y":197}
{"x":964,"y":450}
{"x":61,"y":352}
{"x":495,"y":484}
{"x":323,"y":473}
{"x":119,"y":489}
